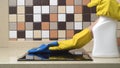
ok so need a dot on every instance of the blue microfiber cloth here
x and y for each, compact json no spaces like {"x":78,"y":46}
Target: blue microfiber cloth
{"x":44,"y":48}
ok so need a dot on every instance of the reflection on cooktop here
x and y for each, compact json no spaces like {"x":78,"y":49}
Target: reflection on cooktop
{"x":57,"y":56}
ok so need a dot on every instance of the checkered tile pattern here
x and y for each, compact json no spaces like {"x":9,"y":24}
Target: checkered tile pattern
{"x":48,"y":19}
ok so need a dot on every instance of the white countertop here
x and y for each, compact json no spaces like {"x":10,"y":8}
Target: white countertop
{"x":10,"y":56}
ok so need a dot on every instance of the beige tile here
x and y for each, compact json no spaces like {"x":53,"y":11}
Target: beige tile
{"x":37,"y":34}
{"x":20,"y":9}
{"x":93,"y":17}
{"x":21,"y":18}
{"x":78,"y":17}
{"x":12,"y":18}
{"x":61,"y":33}
{"x":86,"y":24}
{"x":29,"y":2}
{"x":53,"y":25}
{"x":53,"y":9}
{"x":61,"y":9}
{"x":12,"y":2}
{"x":118,"y":25}
{"x":78,"y":2}
{"x":69,"y":25}
{"x":12,"y":26}
{"x":29,"y":26}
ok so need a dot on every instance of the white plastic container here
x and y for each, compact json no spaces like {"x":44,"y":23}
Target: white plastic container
{"x":105,"y":39}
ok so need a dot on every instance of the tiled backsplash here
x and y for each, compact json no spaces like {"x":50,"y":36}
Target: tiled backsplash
{"x":48,"y":19}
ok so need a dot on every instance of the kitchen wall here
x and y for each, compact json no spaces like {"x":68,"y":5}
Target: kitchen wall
{"x":49,"y":19}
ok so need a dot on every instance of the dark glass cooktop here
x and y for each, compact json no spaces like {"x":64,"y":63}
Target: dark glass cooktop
{"x":57,"y":56}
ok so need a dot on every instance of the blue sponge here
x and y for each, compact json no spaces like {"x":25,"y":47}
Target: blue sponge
{"x":44,"y":48}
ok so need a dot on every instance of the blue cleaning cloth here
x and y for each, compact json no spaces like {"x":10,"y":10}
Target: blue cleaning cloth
{"x":41,"y":56}
{"x":44,"y":48}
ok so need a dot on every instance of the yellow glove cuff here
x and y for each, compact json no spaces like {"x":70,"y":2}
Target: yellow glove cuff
{"x":93,"y":3}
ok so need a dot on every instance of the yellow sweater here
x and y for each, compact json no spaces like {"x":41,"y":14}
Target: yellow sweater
{"x":109,"y":8}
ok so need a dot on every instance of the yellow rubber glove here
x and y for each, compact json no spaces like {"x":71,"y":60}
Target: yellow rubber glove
{"x":109,"y":8}
{"x":78,"y":41}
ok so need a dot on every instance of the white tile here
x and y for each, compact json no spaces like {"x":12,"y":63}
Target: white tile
{"x":29,"y":34}
{"x":61,"y":17}
{"x":37,"y":17}
{"x":69,"y":9}
{"x":45,"y":9}
{"x":45,"y":34}
{"x":53,"y":2}
{"x":12,"y":34}
{"x":20,"y":2}
{"x":78,"y":25}
{"x":37,"y":9}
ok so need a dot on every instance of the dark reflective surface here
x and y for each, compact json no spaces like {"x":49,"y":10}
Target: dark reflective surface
{"x":57,"y":56}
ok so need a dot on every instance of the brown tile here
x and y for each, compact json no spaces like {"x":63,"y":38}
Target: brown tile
{"x":85,"y":9}
{"x":70,"y":17}
{"x":44,"y":2}
{"x":53,"y":34}
{"x":20,"y":26}
{"x":86,"y":17}
{"x":78,"y":9}
{"x":69,"y":2}
{"x":37,"y":26}
{"x":70,"y":33}
{"x":45,"y":25}
{"x":20,"y":34}
{"x":12,"y":10}
{"x":61,"y":25}
{"x":45,"y":17}
{"x":37,"y":2}
{"x":118,"y":41}
{"x":85,"y":2}
{"x":53,"y":17}
{"x":29,"y":18}
{"x":61,"y":2}
{"x":29,"y":10}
